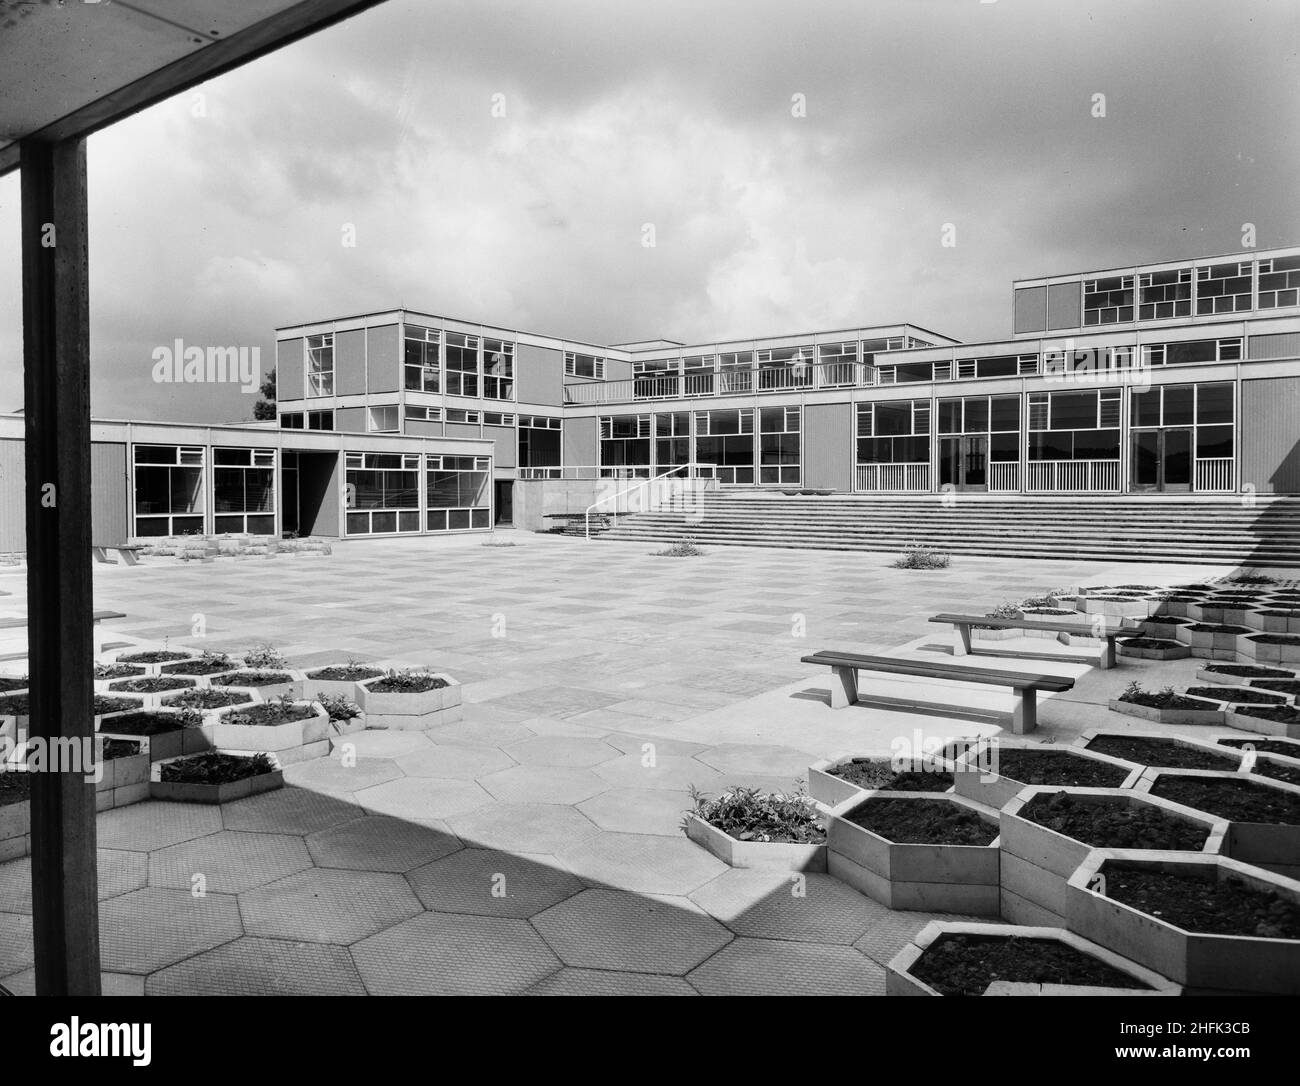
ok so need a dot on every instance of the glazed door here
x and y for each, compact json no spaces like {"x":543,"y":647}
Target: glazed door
{"x":964,"y":462}
{"x":1162,"y":459}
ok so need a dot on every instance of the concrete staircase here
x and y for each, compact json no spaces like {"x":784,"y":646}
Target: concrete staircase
{"x":1137,"y":528}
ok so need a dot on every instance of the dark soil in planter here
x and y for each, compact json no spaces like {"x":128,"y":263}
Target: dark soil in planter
{"x":1047,"y":611}
{"x":151,"y":722}
{"x":1163,"y":753}
{"x":103,"y":703}
{"x":1289,"y":774}
{"x":1276,"y":639}
{"x":1235,"y":800}
{"x":406,"y":684}
{"x":1237,"y":695}
{"x":923,"y":822}
{"x":14,"y":705}
{"x":157,"y":685}
{"x":198,"y":667}
{"x":1147,"y":643}
{"x":159,"y":656}
{"x":1218,"y":628}
{"x":119,"y":748}
{"x":14,"y":787}
{"x":965,"y":965}
{"x":1114,"y":823}
{"x":215,"y":768}
{"x":866,"y":773}
{"x":1288,"y":714}
{"x":13,"y":682}
{"x":206,"y":699}
{"x":1268,"y":746}
{"x":1282,"y":686}
{"x":1280,"y":614}
{"x":1197,"y":901}
{"x":253,"y":678}
{"x":117,"y":671}
{"x":1251,"y":671}
{"x":1138,"y":587}
{"x":1159,"y":699}
{"x":1058,"y":767}
{"x":341,"y":673}
{"x":269,"y":714}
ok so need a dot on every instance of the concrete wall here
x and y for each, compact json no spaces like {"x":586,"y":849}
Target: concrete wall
{"x":384,"y":354}
{"x":350,"y":420}
{"x":580,"y":442}
{"x":1268,"y":435}
{"x":423,"y":428}
{"x":539,"y":375}
{"x":350,"y":363}
{"x":318,"y":487}
{"x":290,"y":369}
{"x":506,"y":444}
{"x":462,"y":429}
{"x":827,"y":445}
{"x":534,"y":498}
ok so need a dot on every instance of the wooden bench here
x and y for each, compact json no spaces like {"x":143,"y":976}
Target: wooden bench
{"x":14,"y":622}
{"x":961,"y":624}
{"x":846,"y":665}
{"x":128,"y":552}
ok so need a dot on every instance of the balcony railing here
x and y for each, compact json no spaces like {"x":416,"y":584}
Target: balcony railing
{"x":1214,"y":473}
{"x":907,"y":478}
{"x":1072,"y":476}
{"x":1004,"y":476}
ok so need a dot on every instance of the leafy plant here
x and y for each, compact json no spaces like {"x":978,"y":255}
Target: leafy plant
{"x":264,"y":655}
{"x":337,"y":707}
{"x":683,"y":548}
{"x":919,"y":556}
{"x":750,"y":815}
{"x":215,"y":768}
{"x":406,"y":681}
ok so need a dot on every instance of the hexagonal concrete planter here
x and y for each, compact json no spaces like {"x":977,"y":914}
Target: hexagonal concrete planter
{"x":1198,"y":960}
{"x":1037,"y":861}
{"x":979,"y":779}
{"x":1176,"y":606}
{"x":1087,"y":742}
{"x":1253,"y":842}
{"x":151,"y":666}
{"x":1287,"y":748}
{"x":15,"y":830}
{"x":1118,"y":606}
{"x":184,"y":792}
{"x":267,"y":737}
{"x":786,"y":855}
{"x":410,"y":710}
{"x":829,"y":789}
{"x":1211,"y":714}
{"x":290,"y":687}
{"x":899,"y":980}
{"x":1152,"y":648}
{"x":312,"y":686}
{"x":123,"y":780}
{"x":149,"y":698}
{"x":1217,"y":674}
{"x":1211,"y":640}
{"x":1274,"y":620}
{"x":1262,"y":725}
{"x":936,"y":878}
{"x":1266,"y":648}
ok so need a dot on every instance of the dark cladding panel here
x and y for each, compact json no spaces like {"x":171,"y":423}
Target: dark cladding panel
{"x":1031,"y":309}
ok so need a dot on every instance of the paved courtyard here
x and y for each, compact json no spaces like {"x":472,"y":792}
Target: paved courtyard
{"x":535,"y":846}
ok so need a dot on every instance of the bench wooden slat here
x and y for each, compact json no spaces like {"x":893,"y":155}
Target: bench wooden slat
{"x":893,"y":665}
{"x":1086,"y":628}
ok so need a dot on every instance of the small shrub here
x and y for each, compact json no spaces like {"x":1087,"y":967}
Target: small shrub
{"x":750,"y":815}
{"x":215,"y":768}
{"x":264,"y":656}
{"x":406,"y":681}
{"x":337,"y":707}
{"x":683,"y":548}
{"x":919,"y":556}
{"x":1250,"y":576}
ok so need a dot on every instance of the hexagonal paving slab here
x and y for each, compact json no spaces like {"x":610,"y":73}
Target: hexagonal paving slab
{"x":16,"y":947}
{"x":289,"y":810}
{"x":382,"y":844}
{"x":563,"y":750}
{"x":643,"y":863}
{"x":149,"y":825}
{"x":423,"y":798}
{"x":487,"y":733}
{"x":261,"y":967}
{"x":630,"y":743}
{"x":543,"y":784}
{"x":769,"y":967}
{"x":524,"y":827}
{"x":668,"y":771}
{"x":888,"y":934}
{"x":328,"y":906}
{"x":145,"y":930}
{"x":380,"y":743}
{"x":454,"y":761}
{"x":760,"y":760}
{"x":447,"y":954}
{"x":593,"y":982}
{"x":639,"y":810}
{"x":490,"y":883}
{"x":119,"y":873}
{"x":610,"y":929}
{"x":333,"y":775}
{"x":230,"y":862}
{"x":773,"y":905}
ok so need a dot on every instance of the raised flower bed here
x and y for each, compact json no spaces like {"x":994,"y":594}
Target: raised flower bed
{"x":1289,"y":687}
{"x":205,"y":700}
{"x":997,"y":781}
{"x":123,"y":772}
{"x":107,"y":673}
{"x":1151,"y":648}
{"x":1279,"y":720}
{"x":338,"y":680}
{"x":151,"y":660}
{"x":1209,"y":923}
{"x":275,"y":726}
{"x":106,"y":707}
{"x":166,"y":733}
{"x":214,"y":777}
{"x":1166,"y":706}
{"x":269,"y":684}
{"x":1162,"y":627}
{"x":1236,"y":674}
{"x":1211,"y":640}
{"x":1046,"y":833}
{"x":1263,"y":815}
{"x":1117,"y":605}
{"x":747,"y":828}
{"x":1221,"y":610}
{"x":917,"y":850}
{"x":1162,"y":751}
{"x":202,"y":668}
{"x":15,"y":814}
{"x":1289,"y":748}
{"x":1275,"y":620}
{"x":409,"y":700}
{"x":150,"y":688}
{"x":1270,"y":648}
{"x":949,"y":958}
{"x":833,"y":781}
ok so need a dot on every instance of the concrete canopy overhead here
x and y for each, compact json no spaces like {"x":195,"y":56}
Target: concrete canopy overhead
{"x":70,"y":68}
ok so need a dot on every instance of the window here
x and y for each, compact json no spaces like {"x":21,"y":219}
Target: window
{"x":906,"y":373}
{"x":539,"y":442}
{"x":1108,"y":300}
{"x":625,"y":445}
{"x":1165,"y":294}
{"x":697,"y":375}
{"x":498,"y":369}
{"x":458,"y":493}
{"x":1191,"y":351}
{"x":655,"y":378}
{"x":584,"y":365}
{"x":423,"y":414}
{"x":725,"y":439}
{"x":243,"y":490}
{"x":291,"y":421}
{"x":1223,"y":288}
{"x":383,"y":419}
{"x":1075,"y":425}
{"x":320,"y":365}
{"x":1279,"y":282}
{"x":894,"y":432}
{"x":320,"y":420}
{"x":785,"y":367}
{"x":459,"y":414}
{"x":1007,"y":365}
{"x":496,"y":418}
{"x":461,"y":359}
{"x":168,"y":489}
{"x":736,"y":371}
{"x":778,"y":445}
{"x":672,"y":439}
{"x":838,"y":364}
{"x":382,"y":493}
{"x":1207,"y":407}
{"x":422,"y":346}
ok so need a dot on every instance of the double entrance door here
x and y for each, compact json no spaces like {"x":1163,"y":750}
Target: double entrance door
{"x":1162,"y":459}
{"x":964,"y":462}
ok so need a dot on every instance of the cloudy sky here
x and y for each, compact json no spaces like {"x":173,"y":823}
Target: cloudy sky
{"x":216,"y":219}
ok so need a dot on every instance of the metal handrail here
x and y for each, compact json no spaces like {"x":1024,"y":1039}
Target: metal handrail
{"x":693,"y":473}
